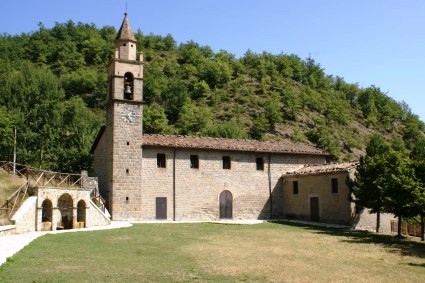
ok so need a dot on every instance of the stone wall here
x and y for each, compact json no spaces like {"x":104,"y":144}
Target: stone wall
{"x":197,"y":191}
{"x":367,"y":221}
{"x":125,"y":195}
{"x":102,"y":163}
{"x":333,"y":207}
{"x":95,"y":216}
{"x":25,"y":216}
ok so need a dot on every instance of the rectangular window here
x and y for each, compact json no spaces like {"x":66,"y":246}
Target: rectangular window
{"x":260,"y":163}
{"x":295,"y":187}
{"x":334,"y":185}
{"x":160,"y":160}
{"x":226,"y":162}
{"x":194,"y":161}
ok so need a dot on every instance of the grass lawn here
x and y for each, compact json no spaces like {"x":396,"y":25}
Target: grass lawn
{"x":269,"y":252}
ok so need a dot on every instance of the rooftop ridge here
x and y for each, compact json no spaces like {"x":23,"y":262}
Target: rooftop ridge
{"x":184,"y":141}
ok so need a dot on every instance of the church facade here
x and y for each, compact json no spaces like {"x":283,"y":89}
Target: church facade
{"x":158,"y":177}
{"x":147,"y":177}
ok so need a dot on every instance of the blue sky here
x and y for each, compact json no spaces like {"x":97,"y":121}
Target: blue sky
{"x":379,"y":42}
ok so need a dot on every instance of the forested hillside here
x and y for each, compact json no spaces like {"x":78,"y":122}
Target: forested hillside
{"x":53,"y":90}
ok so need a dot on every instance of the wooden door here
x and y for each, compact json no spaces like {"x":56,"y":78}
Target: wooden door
{"x":226,"y":205}
{"x":314,"y":209}
{"x":161,"y":208}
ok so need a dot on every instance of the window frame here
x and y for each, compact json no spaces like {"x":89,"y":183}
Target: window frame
{"x":259,"y":163}
{"x":194,"y":161}
{"x":161,"y":160}
{"x":334,"y":186}
{"x":295,"y":187}
{"x":227,"y":162}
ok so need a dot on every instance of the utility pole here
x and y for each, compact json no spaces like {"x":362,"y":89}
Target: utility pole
{"x":14,"y":152}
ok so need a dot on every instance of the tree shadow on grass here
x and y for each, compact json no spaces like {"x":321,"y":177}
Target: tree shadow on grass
{"x":405,"y":246}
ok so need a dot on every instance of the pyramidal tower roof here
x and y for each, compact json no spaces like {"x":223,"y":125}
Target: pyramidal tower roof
{"x":125,"y":32}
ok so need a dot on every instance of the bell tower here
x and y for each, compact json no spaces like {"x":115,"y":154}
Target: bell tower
{"x":124,"y":126}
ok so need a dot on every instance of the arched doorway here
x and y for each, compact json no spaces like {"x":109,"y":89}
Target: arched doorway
{"x":81,"y":214}
{"x":65,"y":206}
{"x":226,"y":205}
{"x":46,"y":215}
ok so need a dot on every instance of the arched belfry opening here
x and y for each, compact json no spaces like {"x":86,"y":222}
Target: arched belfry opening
{"x":65,"y":206}
{"x":128,"y":86}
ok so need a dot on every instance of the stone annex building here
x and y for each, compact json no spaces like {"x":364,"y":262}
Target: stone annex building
{"x":153,"y":177}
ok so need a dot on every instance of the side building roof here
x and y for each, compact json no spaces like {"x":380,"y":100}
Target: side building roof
{"x":322,"y":169}
{"x":230,"y":144}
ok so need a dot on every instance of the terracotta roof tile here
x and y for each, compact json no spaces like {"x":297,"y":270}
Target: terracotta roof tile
{"x":229,"y":144}
{"x":325,"y":168}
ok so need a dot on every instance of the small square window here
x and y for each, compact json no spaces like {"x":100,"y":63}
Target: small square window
{"x":295,"y":187}
{"x":160,"y":160}
{"x":334,"y":182}
{"x":194,"y":162}
{"x":226,"y":162}
{"x":260,"y":163}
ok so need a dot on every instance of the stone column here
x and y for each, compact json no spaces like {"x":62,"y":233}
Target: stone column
{"x":56,"y":217}
{"x":38,"y":218}
{"x":74,"y":218}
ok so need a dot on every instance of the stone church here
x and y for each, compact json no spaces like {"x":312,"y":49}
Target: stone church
{"x":153,"y":177}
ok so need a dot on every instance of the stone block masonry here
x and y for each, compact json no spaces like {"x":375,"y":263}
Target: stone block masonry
{"x":197,"y":190}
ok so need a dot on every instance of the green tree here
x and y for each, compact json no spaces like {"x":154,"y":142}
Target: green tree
{"x":80,"y":127}
{"x":34,"y":95}
{"x":367,"y":104}
{"x":291,"y":103}
{"x":200,"y":89}
{"x":418,"y":159}
{"x":260,"y":126}
{"x":174,"y":97}
{"x":215,"y":73}
{"x":366,"y":187}
{"x":322,"y":136}
{"x":273,"y":110}
{"x":228,"y":129}
{"x":193,"y":119}
{"x":401,"y":189}
{"x":154,"y":119}
{"x":7,"y":124}
{"x":413,"y":130}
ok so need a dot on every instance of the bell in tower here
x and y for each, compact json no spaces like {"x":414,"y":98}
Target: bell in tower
{"x":128,"y":86}
{"x":125,"y":72}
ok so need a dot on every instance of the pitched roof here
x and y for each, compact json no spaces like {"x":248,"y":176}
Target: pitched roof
{"x":229,"y":144}
{"x":125,"y":32}
{"x":325,"y":168}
